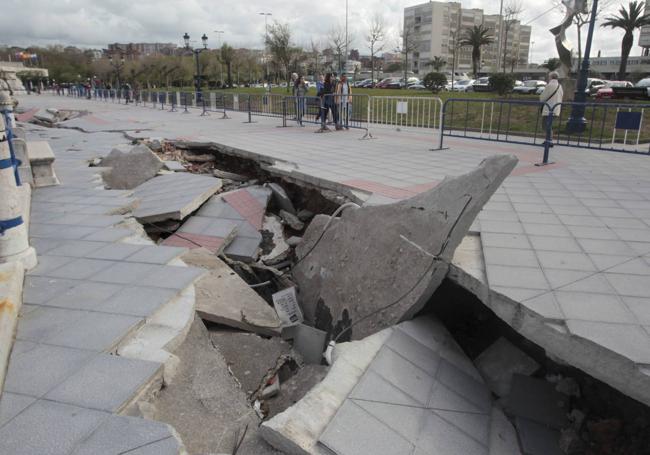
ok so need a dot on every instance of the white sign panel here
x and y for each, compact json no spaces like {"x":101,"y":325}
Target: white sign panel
{"x":286,"y":305}
{"x":402,"y":107}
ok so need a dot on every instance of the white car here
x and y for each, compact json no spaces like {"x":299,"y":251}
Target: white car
{"x":530,"y":88}
{"x":465,"y":85}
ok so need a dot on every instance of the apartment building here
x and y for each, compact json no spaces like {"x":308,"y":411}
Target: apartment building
{"x":434,"y":28}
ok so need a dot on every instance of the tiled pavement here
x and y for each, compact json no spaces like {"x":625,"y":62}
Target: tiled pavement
{"x":570,"y":241}
{"x":91,"y":289}
{"x":419,"y":396}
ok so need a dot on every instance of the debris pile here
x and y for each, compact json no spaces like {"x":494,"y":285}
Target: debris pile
{"x":51,"y":117}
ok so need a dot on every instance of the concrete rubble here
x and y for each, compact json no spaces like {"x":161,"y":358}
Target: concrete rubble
{"x":376,"y":266}
{"x":131,"y":169}
{"x":224,"y":298}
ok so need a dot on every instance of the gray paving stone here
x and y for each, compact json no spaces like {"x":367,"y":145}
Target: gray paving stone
{"x":76,"y":248}
{"x":441,"y":437}
{"x":628,"y":340}
{"x":405,"y":420}
{"x":587,"y":232}
{"x":493,"y":239}
{"x":39,"y":289}
{"x":537,"y":439}
{"x":537,"y":400}
{"x":158,"y":254}
{"x":11,"y":405}
{"x":551,"y":230}
{"x":44,"y":322}
{"x":414,"y":351}
{"x":477,"y":426}
{"x":87,"y":295}
{"x":124,"y":273}
{"x":79,"y":269}
{"x":630,"y":285}
{"x":640,"y":307}
{"x":566,"y":260}
{"x":594,"y":307}
{"x":171,"y":277}
{"x":510,"y":257}
{"x":526,"y":277}
{"x":95,"y":331}
{"x":372,"y":385}
{"x":244,"y":249}
{"x":548,"y":243}
{"x":119,"y":434}
{"x":48,"y":428}
{"x":559,"y":277}
{"x":370,"y":436}
{"x":115,"y":251}
{"x":167,"y":446}
{"x":105,"y":383}
{"x":138,"y":301}
{"x":39,"y":368}
{"x":109,"y":234}
{"x":467,"y":387}
{"x":47,"y":264}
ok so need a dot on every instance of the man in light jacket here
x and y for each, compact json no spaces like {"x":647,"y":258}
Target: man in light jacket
{"x":552,"y":96}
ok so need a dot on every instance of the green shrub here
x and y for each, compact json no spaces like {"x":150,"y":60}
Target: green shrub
{"x":502,"y":83}
{"x":435,"y":81}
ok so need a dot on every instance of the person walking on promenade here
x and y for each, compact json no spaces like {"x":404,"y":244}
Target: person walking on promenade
{"x":344,"y":101}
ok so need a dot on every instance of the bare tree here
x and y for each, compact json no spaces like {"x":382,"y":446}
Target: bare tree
{"x":409,"y":44}
{"x":339,"y":44}
{"x":511,"y":15}
{"x":279,"y":42}
{"x":375,"y":40}
{"x":315,"y":54}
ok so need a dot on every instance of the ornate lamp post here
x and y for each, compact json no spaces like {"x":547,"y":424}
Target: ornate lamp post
{"x":577,"y":122}
{"x":196,"y":52}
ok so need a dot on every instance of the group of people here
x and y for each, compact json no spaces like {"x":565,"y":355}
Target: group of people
{"x":335,"y":95}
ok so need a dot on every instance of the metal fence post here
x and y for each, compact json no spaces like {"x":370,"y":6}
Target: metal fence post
{"x":185,"y":104}
{"x":548,"y":142}
{"x":225,"y":113}
{"x":204,"y":113}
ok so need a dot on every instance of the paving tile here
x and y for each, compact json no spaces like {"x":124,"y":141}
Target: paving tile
{"x":110,"y":234}
{"x":439,"y":436}
{"x":115,"y":251}
{"x":39,"y":289}
{"x":405,"y":420}
{"x":559,"y":277}
{"x":588,"y":232}
{"x":48,"y":428}
{"x":58,"y":232}
{"x":414,"y":351}
{"x":551,"y":230}
{"x":628,"y":340}
{"x":95,"y":331}
{"x":171,"y":277}
{"x":122,"y":435}
{"x":11,"y":405}
{"x":124,"y":273}
{"x":156,"y":254}
{"x":80,"y":269}
{"x":88,"y":295}
{"x":593,"y":283}
{"x":75,"y":248}
{"x":606,"y":262}
{"x":581,"y":220}
{"x":538,"y":439}
{"x":105,"y":383}
{"x":493,"y":239}
{"x":464,"y":385}
{"x":613,"y":247}
{"x":510,"y":256}
{"x":537,"y":400}
{"x":502,"y":227}
{"x":594,"y":307}
{"x":44,"y":322}
{"x":427,"y":331}
{"x":138,"y":301}
{"x":36,"y":370}
{"x":475,"y":425}
{"x":167,"y":446}
{"x":47,"y":264}
{"x":545,"y":305}
{"x":630,"y":285}
{"x":524,"y":277}
{"x":640,"y":307}
{"x":568,"y":261}
{"x":353,"y":431}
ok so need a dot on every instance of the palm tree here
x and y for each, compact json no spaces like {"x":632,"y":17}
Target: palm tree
{"x":629,"y":20}
{"x":477,"y":36}
{"x":437,"y":63}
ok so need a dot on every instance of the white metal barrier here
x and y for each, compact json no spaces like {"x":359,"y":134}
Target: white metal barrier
{"x":406,"y":112}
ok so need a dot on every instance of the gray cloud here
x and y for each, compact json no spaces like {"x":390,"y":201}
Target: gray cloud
{"x":95,"y":23}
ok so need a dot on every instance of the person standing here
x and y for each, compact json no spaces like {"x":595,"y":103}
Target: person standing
{"x":319,"y":91}
{"x":300,"y":91}
{"x":327,"y":95}
{"x":552,"y":97}
{"x":344,"y":101}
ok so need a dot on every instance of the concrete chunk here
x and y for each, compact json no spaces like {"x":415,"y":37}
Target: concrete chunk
{"x":500,"y":361}
{"x":389,"y":259}
{"x":281,"y":198}
{"x":128,"y":170}
{"x":223,"y":297}
{"x":537,"y":400}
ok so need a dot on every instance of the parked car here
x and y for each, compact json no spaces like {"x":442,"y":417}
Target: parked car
{"x":465,"y":85}
{"x":362,"y":82}
{"x":640,"y":91}
{"x":593,"y":85}
{"x":384,"y":82}
{"x":529,"y":87}
{"x":416,"y":87}
{"x":482,"y":84}
{"x":607,"y":91}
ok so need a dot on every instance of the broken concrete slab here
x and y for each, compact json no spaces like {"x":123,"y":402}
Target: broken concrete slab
{"x":292,"y":220}
{"x":309,"y":342}
{"x":389,"y":259}
{"x":173,"y":196}
{"x":174,"y":166}
{"x":223,"y":297}
{"x":280,"y":249}
{"x":229,"y":175}
{"x":537,"y":400}
{"x":537,"y":439}
{"x":251,"y":358}
{"x":296,"y":387}
{"x":129,"y":170}
{"x":281,"y":198}
{"x":213,"y":234}
{"x":499,"y":362}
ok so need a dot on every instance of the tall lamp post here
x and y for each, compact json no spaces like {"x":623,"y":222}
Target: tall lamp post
{"x":266,"y":38}
{"x":196,"y":52}
{"x":117,"y":65}
{"x":577,"y":122}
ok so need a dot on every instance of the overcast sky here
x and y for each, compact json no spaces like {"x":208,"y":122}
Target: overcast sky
{"x":95,"y":23}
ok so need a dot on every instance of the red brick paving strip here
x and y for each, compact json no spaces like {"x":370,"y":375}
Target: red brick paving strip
{"x":213,"y":244}
{"x":247,"y":206}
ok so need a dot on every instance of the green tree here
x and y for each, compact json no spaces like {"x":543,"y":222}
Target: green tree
{"x":279,"y":42}
{"x":502,"y":83}
{"x":629,"y":20}
{"x":227,"y":56}
{"x":438,"y":63}
{"x":435,"y":81}
{"x":552,"y":64}
{"x":477,"y":37}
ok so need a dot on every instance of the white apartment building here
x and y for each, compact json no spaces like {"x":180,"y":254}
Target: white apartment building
{"x":436,"y":26}
{"x":644,"y":36}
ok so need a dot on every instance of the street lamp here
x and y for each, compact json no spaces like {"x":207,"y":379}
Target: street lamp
{"x":196,"y":52}
{"x":117,"y":66}
{"x":266,"y":38}
{"x":577,"y":122}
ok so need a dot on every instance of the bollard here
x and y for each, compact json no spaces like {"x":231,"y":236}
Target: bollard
{"x":14,"y":244}
{"x":548,"y":142}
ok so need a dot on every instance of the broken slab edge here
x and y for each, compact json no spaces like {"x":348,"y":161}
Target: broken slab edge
{"x":296,"y":430}
{"x":560,"y":345}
